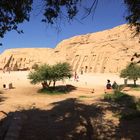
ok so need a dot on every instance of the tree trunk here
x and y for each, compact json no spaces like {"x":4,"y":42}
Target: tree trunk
{"x":135,"y":83}
{"x":49,"y":83}
{"x":125,"y":82}
{"x":45,"y":84}
{"x":54,"y":83}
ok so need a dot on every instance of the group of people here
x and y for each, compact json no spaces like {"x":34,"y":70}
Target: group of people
{"x":113,"y":86}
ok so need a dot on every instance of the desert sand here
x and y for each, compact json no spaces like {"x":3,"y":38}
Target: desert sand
{"x":24,"y":94}
{"x":79,"y":114}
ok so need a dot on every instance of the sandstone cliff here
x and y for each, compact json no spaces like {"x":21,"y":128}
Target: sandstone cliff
{"x":106,"y":51}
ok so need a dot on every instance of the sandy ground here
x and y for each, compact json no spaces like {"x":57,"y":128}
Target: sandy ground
{"x":25,"y":95}
{"x":79,"y":114}
{"x":20,"y":79}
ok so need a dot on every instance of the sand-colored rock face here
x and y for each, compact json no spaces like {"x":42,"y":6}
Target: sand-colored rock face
{"x":106,"y":51}
{"x":25,"y":58}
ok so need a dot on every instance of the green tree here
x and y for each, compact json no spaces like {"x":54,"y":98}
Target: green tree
{"x":14,"y":12}
{"x":46,"y":74}
{"x":41,"y":75}
{"x":60,"y":71}
{"x":132,"y":72}
{"x":133,"y":16}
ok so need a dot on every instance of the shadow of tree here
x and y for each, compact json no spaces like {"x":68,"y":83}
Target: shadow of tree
{"x":71,"y":119}
{"x":2,"y":99}
{"x":128,"y":128}
{"x":131,"y":85}
{"x":58,"y":89}
{"x":67,"y":120}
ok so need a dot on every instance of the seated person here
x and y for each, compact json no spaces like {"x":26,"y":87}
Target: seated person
{"x":114,"y":85}
{"x":108,"y":86}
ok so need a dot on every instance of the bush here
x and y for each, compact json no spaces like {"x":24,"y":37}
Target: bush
{"x":129,"y":107}
{"x":116,"y":96}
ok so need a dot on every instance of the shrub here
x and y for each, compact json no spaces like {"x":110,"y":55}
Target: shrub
{"x":116,"y":96}
{"x":129,"y":107}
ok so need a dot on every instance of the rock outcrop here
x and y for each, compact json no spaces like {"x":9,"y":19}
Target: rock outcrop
{"x":102,"y":52}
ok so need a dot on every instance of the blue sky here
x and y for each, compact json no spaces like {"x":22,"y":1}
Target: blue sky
{"x":108,"y":14}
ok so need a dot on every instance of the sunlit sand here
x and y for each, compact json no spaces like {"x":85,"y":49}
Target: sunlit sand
{"x":24,"y":94}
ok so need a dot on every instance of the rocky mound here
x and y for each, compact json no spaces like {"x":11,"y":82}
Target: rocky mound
{"x":106,"y":51}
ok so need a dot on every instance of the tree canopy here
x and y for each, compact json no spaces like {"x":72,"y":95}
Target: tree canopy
{"x":132,"y":72}
{"x":134,"y":13}
{"x":14,"y":12}
{"x":46,"y":74}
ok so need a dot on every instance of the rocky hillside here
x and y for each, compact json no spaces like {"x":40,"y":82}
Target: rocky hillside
{"x":106,"y":51}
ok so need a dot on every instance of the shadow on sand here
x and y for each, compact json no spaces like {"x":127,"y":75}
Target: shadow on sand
{"x":72,"y":120}
{"x":2,"y":99}
{"x":129,"y":117}
{"x":58,"y":89}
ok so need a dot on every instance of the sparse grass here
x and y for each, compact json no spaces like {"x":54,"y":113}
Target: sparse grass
{"x":116,"y":96}
{"x":57,"y":90}
{"x":133,"y":86}
{"x":51,"y":91}
{"x":85,"y":96}
{"x":136,"y":88}
{"x":129,"y":107}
